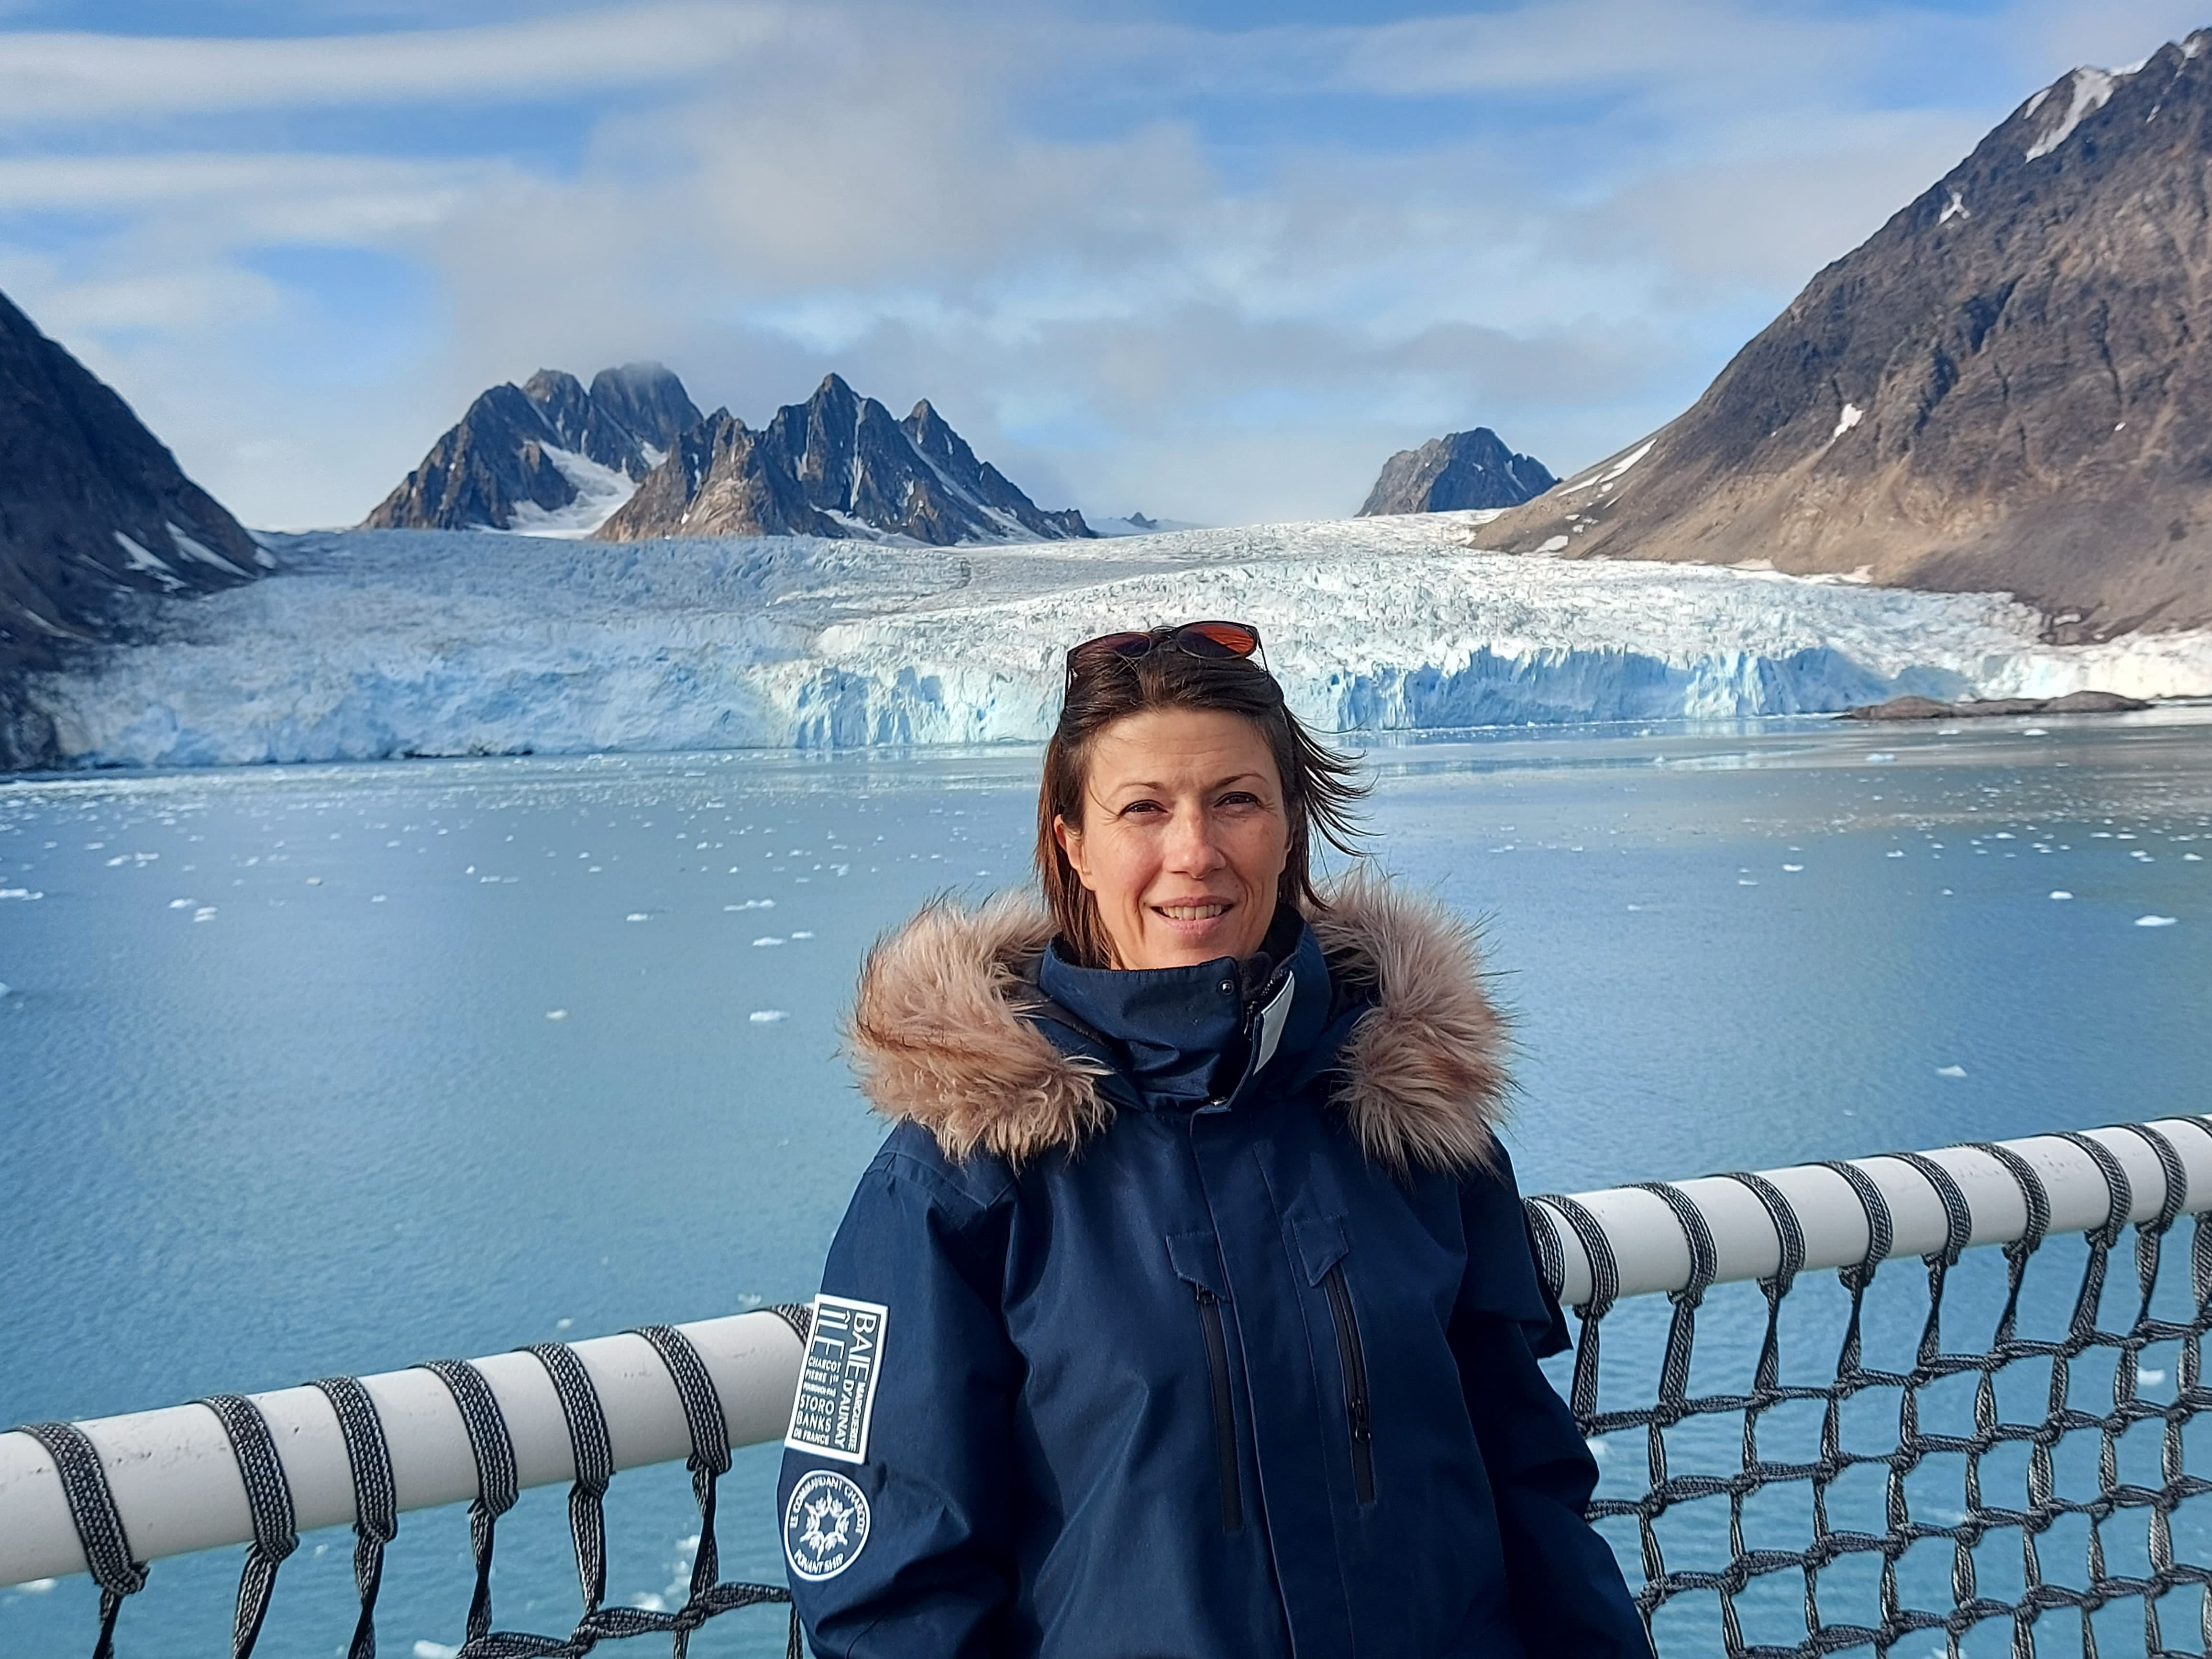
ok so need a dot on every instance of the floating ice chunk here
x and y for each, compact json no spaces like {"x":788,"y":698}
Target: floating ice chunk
{"x":2156,"y":921}
{"x":767,"y":1015}
{"x":182,"y":905}
{"x":19,"y":893}
{"x":1950,"y":1071}
{"x":435,"y":1650}
{"x":1745,"y":881}
{"x":766,"y":939}
{"x":557,"y":1013}
{"x":377,"y":899}
{"x":1894,"y":853}
{"x":638,"y":915}
{"x":2149,"y":1378}
{"x":205,"y":913}
{"x":314,"y":881}
{"x":2192,"y":858}
{"x":1792,"y":868}
{"x":2035,"y":731}
{"x":803,"y":935}
{"x":2060,"y":893}
{"x":562,"y":1324}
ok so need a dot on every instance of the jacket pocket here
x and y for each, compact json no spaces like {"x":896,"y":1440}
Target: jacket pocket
{"x":1321,"y":1245}
{"x":1197,"y":1260}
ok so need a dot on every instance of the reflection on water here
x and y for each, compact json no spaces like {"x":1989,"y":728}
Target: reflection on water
{"x":342,"y":1068}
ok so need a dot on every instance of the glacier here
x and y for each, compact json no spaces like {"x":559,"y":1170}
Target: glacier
{"x":367,"y":645}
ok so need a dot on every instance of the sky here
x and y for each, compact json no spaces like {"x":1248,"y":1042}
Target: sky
{"x":1213,"y":261}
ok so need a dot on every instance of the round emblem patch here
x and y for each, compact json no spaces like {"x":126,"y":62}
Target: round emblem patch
{"x":825,"y":1526}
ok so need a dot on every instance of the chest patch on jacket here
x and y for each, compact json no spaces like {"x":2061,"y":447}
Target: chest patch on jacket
{"x":837,"y":1380}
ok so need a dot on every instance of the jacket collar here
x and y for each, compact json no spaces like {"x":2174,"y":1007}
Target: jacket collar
{"x":1194,"y":1036}
{"x":943,"y":1032}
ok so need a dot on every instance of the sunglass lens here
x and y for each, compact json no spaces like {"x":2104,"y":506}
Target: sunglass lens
{"x":1219,"y":639}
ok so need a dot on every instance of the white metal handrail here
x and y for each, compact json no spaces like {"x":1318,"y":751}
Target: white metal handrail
{"x":177,"y":1487}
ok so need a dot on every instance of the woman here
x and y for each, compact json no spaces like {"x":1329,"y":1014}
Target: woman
{"x":1188,"y":1310}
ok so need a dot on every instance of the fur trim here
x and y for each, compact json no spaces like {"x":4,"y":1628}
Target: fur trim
{"x":1425,"y":1080}
{"x":938,"y":1035}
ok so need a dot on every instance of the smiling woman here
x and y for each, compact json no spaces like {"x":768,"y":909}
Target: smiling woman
{"x":1188,"y":1308}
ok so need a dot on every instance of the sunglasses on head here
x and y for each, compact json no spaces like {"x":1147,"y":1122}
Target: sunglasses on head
{"x":1216,"y":640}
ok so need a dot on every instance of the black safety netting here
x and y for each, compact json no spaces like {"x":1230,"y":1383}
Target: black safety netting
{"x":1985,"y":1452}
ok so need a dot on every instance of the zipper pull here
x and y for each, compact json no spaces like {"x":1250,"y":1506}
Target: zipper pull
{"x":1362,"y":1428}
{"x":1206,"y":1298}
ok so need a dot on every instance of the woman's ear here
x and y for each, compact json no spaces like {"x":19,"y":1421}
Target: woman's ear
{"x":1071,"y":844}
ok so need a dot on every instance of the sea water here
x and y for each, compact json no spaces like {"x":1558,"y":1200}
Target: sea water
{"x":336,"y":1068}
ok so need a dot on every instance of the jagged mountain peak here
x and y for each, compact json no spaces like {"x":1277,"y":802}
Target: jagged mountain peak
{"x":550,"y":455}
{"x":2004,"y":388}
{"x":837,"y":464}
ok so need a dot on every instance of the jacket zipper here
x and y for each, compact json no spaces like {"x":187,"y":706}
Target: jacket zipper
{"x":1224,"y":1414}
{"x":1359,"y":1416}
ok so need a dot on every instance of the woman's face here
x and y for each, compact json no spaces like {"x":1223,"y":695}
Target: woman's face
{"x":1183,"y":838}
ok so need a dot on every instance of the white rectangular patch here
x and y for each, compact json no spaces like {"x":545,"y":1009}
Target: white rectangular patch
{"x":837,"y":1380}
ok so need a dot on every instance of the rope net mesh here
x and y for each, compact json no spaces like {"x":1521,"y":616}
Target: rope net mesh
{"x":1964,"y":1460}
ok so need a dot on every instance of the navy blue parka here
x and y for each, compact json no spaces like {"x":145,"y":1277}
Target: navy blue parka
{"x":1189,"y":1313}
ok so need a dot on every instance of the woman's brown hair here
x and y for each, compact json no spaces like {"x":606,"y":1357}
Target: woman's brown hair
{"x":1321,"y":787}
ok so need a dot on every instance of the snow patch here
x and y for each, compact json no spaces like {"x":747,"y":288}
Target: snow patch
{"x":2091,"y":87}
{"x":200,"y":551}
{"x":1851,"y":416}
{"x":137,"y":557}
{"x":600,"y":493}
{"x":1956,"y":208}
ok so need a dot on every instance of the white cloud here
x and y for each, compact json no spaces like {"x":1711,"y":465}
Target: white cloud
{"x":77,"y":77}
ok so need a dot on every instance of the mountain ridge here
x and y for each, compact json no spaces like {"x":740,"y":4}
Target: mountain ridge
{"x":2002,"y":389}
{"x":92,"y":508}
{"x":1456,"y":472}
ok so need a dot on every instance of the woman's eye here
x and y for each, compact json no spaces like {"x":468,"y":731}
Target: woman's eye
{"x":1141,"y":808}
{"x":1239,"y":798}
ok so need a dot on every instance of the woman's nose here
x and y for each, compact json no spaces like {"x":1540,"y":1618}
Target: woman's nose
{"x":1192,"y":848}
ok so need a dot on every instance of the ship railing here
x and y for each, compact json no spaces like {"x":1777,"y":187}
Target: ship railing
{"x":2100,"y":1508}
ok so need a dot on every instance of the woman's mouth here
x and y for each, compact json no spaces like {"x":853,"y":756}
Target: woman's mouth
{"x":1205,"y":911}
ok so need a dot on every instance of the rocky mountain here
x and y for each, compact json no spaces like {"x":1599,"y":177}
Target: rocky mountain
{"x":1458,"y":471}
{"x":2008,"y":386}
{"x":837,"y":464}
{"x":549,"y":454}
{"x":92,"y":507}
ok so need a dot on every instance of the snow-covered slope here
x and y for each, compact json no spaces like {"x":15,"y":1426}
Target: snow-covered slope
{"x":368,"y":644}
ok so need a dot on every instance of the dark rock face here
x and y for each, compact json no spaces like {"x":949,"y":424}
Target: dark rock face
{"x":837,"y":464}
{"x":1458,"y":471}
{"x":2008,"y":388}
{"x":92,"y":507}
{"x":497,"y":457}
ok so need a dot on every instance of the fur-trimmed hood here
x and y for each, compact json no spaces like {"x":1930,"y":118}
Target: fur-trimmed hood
{"x":939,"y":1035}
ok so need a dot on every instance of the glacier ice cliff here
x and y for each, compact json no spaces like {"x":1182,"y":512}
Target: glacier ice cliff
{"x":367,"y":645}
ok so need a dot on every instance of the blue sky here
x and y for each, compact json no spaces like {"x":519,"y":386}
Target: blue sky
{"x":1214,"y":261}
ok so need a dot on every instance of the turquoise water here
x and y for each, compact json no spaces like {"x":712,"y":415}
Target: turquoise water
{"x":310,"y":1069}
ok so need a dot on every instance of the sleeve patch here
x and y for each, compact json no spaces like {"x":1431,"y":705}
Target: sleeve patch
{"x":837,"y":1380}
